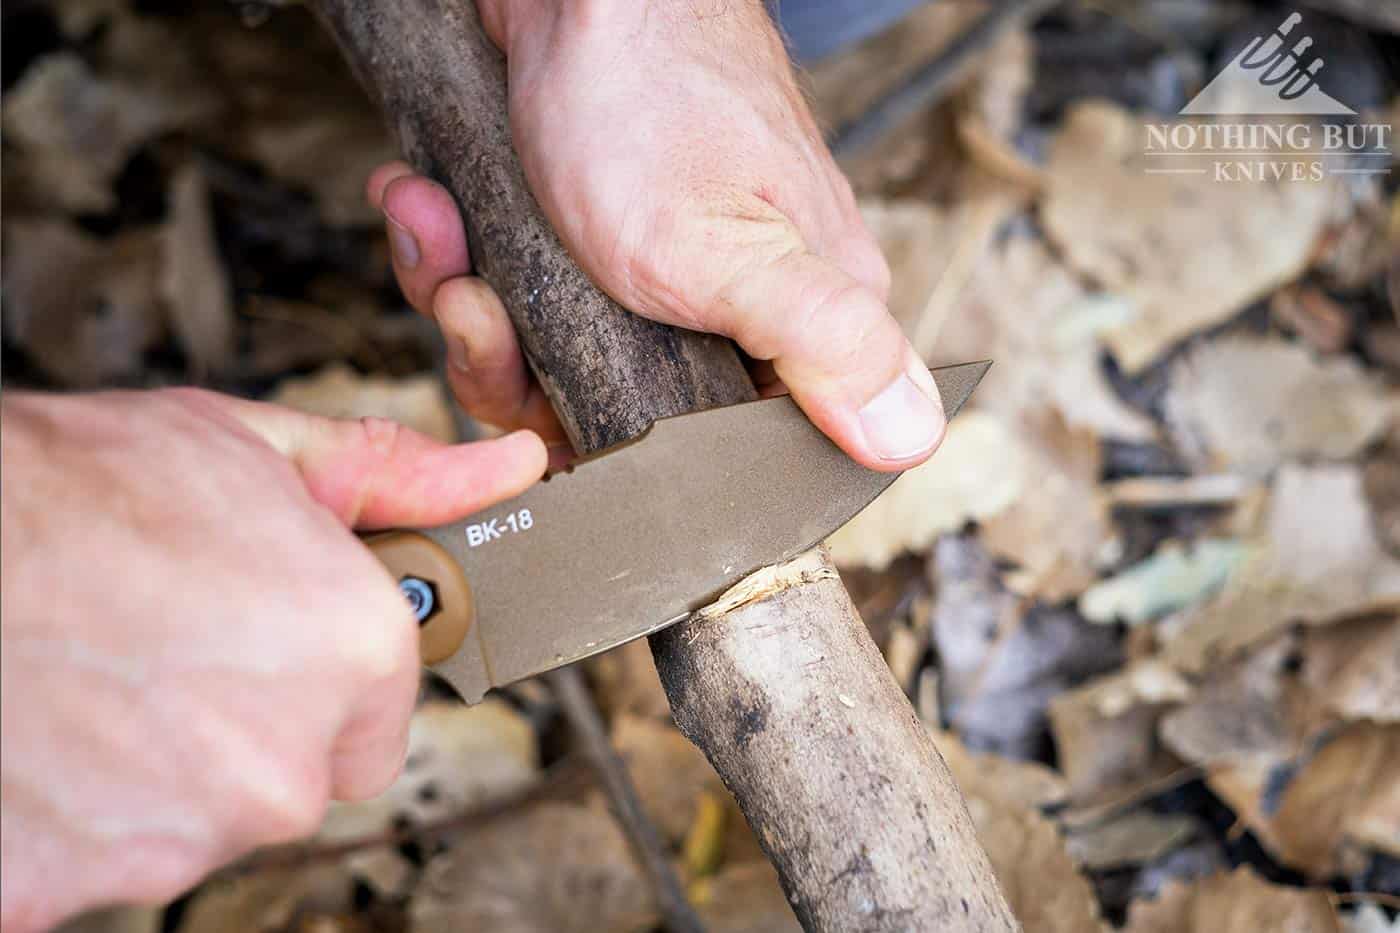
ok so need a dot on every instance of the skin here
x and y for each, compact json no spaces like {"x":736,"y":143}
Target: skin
{"x":196,"y":653}
{"x":694,"y":187}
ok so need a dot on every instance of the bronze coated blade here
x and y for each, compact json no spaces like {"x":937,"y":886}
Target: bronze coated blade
{"x":640,"y":536}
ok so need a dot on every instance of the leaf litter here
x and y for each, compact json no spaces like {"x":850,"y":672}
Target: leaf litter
{"x":1147,"y":595}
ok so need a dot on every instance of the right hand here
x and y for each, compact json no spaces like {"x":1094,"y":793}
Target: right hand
{"x":195,"y":651}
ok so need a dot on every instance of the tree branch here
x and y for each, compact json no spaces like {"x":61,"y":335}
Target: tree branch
{"x":852,"y":803}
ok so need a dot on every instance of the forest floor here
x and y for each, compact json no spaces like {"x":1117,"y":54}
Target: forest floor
{"x":1146,"y":596}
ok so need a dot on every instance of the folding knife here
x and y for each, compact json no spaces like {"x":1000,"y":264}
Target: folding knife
{"x":630,"y":540}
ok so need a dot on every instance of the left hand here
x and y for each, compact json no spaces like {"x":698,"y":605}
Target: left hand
{"x":669,"y":145}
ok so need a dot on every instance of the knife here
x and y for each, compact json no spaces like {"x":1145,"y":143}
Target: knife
{"x":630,"y":540}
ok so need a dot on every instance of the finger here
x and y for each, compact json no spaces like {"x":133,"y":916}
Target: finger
{"x":369,"y":752}
{"x":841,"y":354}
{"x":484,"y":364}
{"x":427,"y":241}
{"x":376,"y":473}
{"x":380,"y":178}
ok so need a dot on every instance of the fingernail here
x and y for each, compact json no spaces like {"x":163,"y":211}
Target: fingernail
{"x":402,"y":244}
{"x":901,"y":422}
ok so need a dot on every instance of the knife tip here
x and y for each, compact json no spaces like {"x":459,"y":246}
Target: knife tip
{"x":956,"y":383}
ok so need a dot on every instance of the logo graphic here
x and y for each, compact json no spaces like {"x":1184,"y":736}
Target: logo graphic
{"x":1268,"y":77}
{"x":1258,"y":121}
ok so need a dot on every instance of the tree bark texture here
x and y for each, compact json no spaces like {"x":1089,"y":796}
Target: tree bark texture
{"x":785,"y":693}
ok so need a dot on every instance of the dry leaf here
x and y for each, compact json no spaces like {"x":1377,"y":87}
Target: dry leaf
{"x":1022,"y":783}
{"x":115,"y":920}
{"x":336,"y":391}
{"x":1040,"y":880}
{"x":1106,"y":731}
{"x":1130,"y":838}
{"x":1318,"y":559}
{"x":669,"y":772}
{"x":1172,"y":578}
{"x":625,"y":680}
{"x":268,"y":901}
{"x":1001,"y":662}
{"x":744,"y":898}
{"x":978,"y":472}
{"x":1184,"y":250}
{"x":554,"y":868}
{"x":1056,"y":536}
{"x":73,"y":130}
{"x":1369,"y":918}
{"x":1248,"y":404}
{"x":85,"y":310}
{"x":1240,"y":902}
{"x":1022,"y":308}
{"x":194,"y":283}
{"x":1316,"y":812}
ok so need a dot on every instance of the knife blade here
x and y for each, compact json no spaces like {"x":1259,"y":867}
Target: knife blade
{"x":632,"y":539}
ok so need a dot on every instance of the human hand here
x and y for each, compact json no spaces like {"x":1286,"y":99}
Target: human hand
{"x":671,"y":149}
{"x":197,"y":652}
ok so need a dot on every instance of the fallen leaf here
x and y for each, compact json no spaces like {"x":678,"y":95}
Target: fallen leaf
{"x":1028,"y":312}
{"x":978,"y":472}
{"x":1315,"y":812}
{"x":1240,"y":902}
{"x":1174,"y":577}
{"x":1106,"y":730}
{"x":73,"y":130}
{"x":625,"y":680}
{"x":86,"y":310}
{"x":1248,"y":404}
{"x":1184,"y":250}
{"x":115,"y":920}
{"x":1317,"y":559}
{"x":194,"y":282}
{"x":336,"y":391}
{"x":1056,"y":536}
{"x":1000,"y":661}
{"x":669,"y":773}
{"x":268,"y":901}
{"x":744,"y":898}
{"x":1041,"y":882}
{"x":1026,"y":784}
{"x":1130,"y":838}
{"x":1370,"y":918}
{"x":554,"y":868}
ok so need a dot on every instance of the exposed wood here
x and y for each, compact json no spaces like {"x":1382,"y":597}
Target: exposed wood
{"x":853,"y":805}
{"x":836,"y":774}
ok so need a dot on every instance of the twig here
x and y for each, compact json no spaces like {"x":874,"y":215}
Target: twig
{"x":933,"y":80}
{"x":646,"y":841}
{"x":562,"y":778}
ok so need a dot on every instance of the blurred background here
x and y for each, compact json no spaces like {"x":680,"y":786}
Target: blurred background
{"x":1145,"y":597}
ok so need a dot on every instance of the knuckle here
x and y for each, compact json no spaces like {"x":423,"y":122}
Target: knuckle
{"x":381,"y":435}
{"x":289,"y":804}
{"x":383,"y":644}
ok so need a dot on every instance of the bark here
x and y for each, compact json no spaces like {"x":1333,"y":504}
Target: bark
{"x":852,"y":802}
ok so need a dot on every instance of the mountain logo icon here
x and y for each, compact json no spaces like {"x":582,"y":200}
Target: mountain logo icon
{"x":1269,"y":77}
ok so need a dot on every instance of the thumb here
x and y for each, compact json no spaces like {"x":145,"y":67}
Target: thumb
{"x":376,"y":473}
{"x":842,"y":355}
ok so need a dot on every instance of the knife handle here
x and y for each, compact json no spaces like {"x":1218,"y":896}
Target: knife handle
{"x":435,"y":587}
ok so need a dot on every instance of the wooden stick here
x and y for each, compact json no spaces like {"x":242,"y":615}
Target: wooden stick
{"x":877,"y":836}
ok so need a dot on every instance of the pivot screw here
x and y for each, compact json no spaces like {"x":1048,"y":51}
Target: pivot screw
{"x":421,"y":596}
